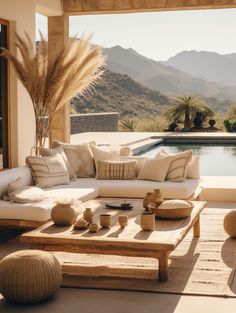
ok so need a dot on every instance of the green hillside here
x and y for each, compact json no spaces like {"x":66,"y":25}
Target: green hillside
{"x":118,"y":92}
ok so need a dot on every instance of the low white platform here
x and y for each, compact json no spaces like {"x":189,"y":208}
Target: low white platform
{"x":218,"y":188}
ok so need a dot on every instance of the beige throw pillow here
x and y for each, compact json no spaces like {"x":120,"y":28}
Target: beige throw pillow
{"x":177,"y":171}
{"x":80,"y":158}
{"x":16,"y":184}
{"x":140,"y":161}
{"x":48,"y":171}
{"x":116,"y":170}
{"x":194,"y":168}
{"x":100,"y":154}
{"x":155,"y":169}
{"x":27,"y":194}
{"x":58,"y":150}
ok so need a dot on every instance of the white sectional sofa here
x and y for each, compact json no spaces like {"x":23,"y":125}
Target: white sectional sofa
{"x":33,"y":214}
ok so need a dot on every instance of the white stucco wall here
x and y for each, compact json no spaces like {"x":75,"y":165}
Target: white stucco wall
{"x":21,"y":14}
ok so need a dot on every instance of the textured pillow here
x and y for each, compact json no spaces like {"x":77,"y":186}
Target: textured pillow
{"x":104,"y":155}
{"x":193,"y":168}
{"x":16,"y":184}
{"x":58,"y":150}
{"x":80,"y":158}
{"x":155,"y":169}
{"x":177,"y":171}
{"x":48,"y":171}
{"x":116,"y":170}
{"x":26,"y":194}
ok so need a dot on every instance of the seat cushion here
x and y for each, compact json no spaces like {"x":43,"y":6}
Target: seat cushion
{"x":72,"y":192}
{"x":139,"y":188}
{"x":38,"y":211}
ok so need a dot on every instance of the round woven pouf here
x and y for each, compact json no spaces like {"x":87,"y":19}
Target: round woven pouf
{"x":230,"y":223}
{"x":29,"y":276}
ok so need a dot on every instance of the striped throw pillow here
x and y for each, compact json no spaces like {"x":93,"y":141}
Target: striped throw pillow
{"x":177,"y":171}
{"x":116,"y":169}
{"x":48,"y":171}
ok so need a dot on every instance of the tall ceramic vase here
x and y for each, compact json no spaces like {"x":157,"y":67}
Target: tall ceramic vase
{"x":156,"y":197}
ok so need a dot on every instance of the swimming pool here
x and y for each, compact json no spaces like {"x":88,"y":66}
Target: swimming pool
{"x":215,"y":159}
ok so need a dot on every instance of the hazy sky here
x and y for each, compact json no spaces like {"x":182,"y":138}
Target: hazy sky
{"x":159,"y":35}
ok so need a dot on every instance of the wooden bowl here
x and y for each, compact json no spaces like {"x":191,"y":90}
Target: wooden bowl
{"x":173,"y":213}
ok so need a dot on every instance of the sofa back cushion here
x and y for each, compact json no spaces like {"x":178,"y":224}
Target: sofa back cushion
{"x":80,"y":158}
{"x":9,"y":176}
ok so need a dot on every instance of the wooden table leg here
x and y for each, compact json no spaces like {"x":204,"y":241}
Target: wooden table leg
{"x":196,"y":228}
{"x":163,"y":267}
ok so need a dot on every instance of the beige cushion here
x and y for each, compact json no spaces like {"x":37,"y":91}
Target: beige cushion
{"x":58,"y":150}
{"x":36,"y":211}
{"x":16,"y":184}
{"x":125,"y":151}
{"x":100,"y":154}
{"x":193,"y":170}
{"x":26,"y":194}
{"x":80,"y":158}
{"x":175,"y":204}
{"x":48,"y":171}
{"x":155,"y":169}
{"x":137,"y":188}
{"x":116,"y":169}
{"x":8,"y":176}
{"x":177,"y":171}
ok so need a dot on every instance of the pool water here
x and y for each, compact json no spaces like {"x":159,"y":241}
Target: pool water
{"x":215,"y":159}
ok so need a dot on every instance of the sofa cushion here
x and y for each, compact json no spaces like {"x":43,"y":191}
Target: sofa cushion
{"x":116,"y":170}
{"x":177,"y":171}
{"x":139,"y":188}
{"x":48,"y":171}
{"x":70,"y":193}
{"x":104,"y":155}
{"x":58,"y":150}
{"x":80,"y":158}
{"x":38,"y":211}
{"x":27,"y":194}
{"x":155,"y":169}
{"x":140,"y":160}
{"x":11,"y":175}
{"x":194,"y":168}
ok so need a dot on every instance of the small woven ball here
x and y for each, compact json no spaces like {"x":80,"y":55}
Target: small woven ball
{"x":29,"y":276}
{"x":230,"y":223}
{"x":63,"y":214}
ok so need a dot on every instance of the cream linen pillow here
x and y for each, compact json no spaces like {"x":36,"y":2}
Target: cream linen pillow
{"x":194,"y":168}
{"x":48,"y":171}
{"x":80,"y":158}
{"x":16,"y":184}
{"x":155,"y":169}
{"x":104,"y":155}
{"x":116,"y":170}
{"x":177,"y":171}
{"x":58,"y":150}
{"x":27,"y":194}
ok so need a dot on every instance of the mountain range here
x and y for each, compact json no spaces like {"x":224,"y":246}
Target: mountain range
{"x":120,"y":93}
{"x":207,"y":65}
{"x":175,"y":76}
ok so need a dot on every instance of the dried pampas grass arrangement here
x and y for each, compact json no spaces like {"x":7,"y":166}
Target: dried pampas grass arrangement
{"x":52,"y":83}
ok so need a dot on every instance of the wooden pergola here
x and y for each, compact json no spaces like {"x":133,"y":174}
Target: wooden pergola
{"x":58,"y":30}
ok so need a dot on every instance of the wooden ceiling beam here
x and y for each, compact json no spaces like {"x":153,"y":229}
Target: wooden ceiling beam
{"x":78,"y":7}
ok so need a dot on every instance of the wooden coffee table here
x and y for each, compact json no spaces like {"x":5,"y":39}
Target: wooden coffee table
{"x":129,"y":241}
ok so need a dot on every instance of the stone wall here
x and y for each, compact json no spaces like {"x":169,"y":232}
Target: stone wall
{"x":94,"y":122}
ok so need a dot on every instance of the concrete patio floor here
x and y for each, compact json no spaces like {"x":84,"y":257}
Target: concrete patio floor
{"x":70,"y":300}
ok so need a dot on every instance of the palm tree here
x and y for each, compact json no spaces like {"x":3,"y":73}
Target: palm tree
{"x":185,"y":107}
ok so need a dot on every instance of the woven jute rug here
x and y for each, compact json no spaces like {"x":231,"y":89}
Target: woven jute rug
{"x":198,"y":267}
